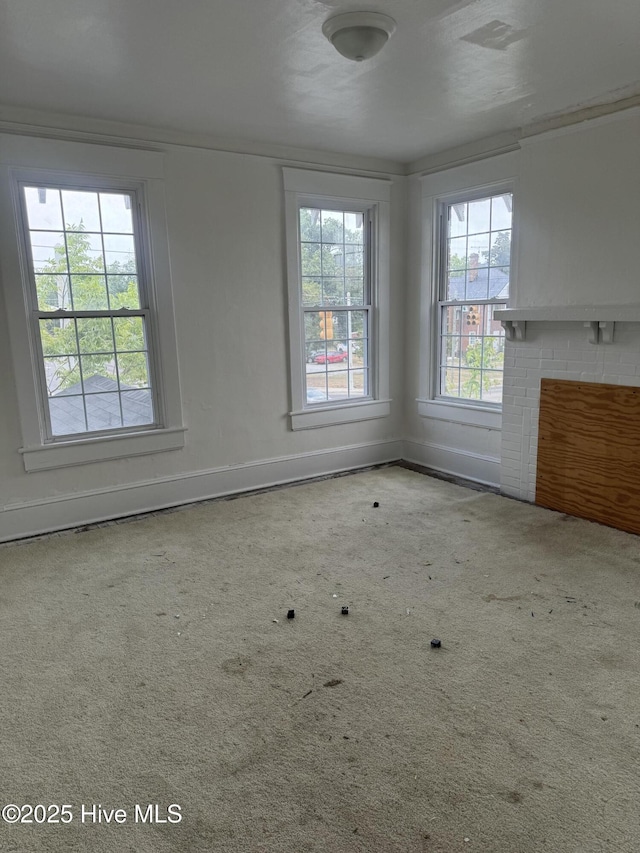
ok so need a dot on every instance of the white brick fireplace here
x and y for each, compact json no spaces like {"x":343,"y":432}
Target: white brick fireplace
{"x":582,"y":344}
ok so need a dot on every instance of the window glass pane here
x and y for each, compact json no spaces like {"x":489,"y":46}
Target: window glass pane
{"x":95,"y":334}
{"x":62,"y":375}
{"x":310,"y":259}
{"x":499,"y":283}
{"x":357,"y":327}
{"x":84,"y":252}
{"x":451,"y":323}
{"x":89,"y":292}
{"x":472,"y":319}
{"x":333,"y":292}
{"x":457,"y":253}
{"x":355,"y":291}
{"x":478,"y":250}
{"x":354,"y":259}
{"x":48,"y":252}
{"x":492,"y":384}
{"x":120,"y":253}
{"x":103,"y":411}
{"x":129,"y":334}
{"x":123,"y":291}
{"x":137,"y":407}
{"x":450,"y":382}
{"x":477,"y":283}
{"x":53,"y":292}
{"x":479,"y":215}
{"x":457,"y":219}
{"x":450,"y":356}
{"x":58,"y":337}
{"x":67,"y":415}
{"x":309,"y":224}
{"x":133,"y":370}
{"x":352,"y":383}
{"x":359,"y":352}
{"x":501,"y":206}
{"x":43,"y":208}
{"x":500,"y":253}
{"x":317,"y":394}
{"x":341,"y":327}
{"x":332,"y":226}
{"x":99,"y":373}
{"x":353,"y":227}
{"x":455,"y":285}
{"x":338,"y":381}
{"x":115,"y":209}
{"x":80,"y":210}
{"x":332,"y":259}
{"x":311,"y":291}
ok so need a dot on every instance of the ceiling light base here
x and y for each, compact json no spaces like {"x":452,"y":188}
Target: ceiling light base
{"x":359,"y":35}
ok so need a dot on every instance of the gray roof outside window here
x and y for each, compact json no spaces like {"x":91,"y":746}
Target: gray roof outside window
{"x":103,"y":407}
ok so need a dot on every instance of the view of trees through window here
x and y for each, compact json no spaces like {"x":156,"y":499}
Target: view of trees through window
{"x":92,"y":324}
{"x":474,"y":282}
{"x":335,"y":300}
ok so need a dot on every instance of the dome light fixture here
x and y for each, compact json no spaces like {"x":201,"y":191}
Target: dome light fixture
{"x":359,"y":35}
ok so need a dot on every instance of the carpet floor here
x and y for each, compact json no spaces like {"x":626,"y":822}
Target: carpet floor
{"x":152,"y":663}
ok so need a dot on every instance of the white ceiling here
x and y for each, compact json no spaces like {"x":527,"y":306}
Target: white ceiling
{"x":260,"y":70}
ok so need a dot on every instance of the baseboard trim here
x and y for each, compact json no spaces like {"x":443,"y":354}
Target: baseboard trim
{"x":454,"y":462}
{"x":19,"y":521}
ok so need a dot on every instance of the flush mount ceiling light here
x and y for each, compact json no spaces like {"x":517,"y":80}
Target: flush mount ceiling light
{"x":359,"y":35}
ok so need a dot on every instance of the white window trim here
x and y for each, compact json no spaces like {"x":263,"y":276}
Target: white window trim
{"x":23,"y":159}
{"x":322,"y":189}
{"x":465,"y":183}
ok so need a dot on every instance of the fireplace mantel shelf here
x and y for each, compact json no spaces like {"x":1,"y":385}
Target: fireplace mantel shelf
{"x":598,"y":320}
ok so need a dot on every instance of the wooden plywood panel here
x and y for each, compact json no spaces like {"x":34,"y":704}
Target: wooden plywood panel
{"x":589,"y":451}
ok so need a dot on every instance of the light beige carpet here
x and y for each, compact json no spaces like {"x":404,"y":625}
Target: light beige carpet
{"x":140,"y":663}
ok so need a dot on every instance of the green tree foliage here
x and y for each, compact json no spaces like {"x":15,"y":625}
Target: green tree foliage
{"x":499,"y":255}
{"x":478,"y":356}
{"x":87,"y":288}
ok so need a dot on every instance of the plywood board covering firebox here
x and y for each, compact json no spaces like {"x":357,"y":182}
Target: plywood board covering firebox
{"x":589,"y":450}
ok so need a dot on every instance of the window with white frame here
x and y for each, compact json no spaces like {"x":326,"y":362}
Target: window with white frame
{"x":337,"y":245}
{"x":474,"y":273}
{"x":89,"y":309}
{"x":336,"y":302}
{"x":88,"y":295}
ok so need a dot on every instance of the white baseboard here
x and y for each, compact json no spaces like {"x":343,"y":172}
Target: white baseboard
{"x":58,"y":513}
{"x":450,"y":460}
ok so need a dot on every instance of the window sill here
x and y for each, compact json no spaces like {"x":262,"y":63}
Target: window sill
{"x":99,"y":449}
{"x":341,"y":414}
{"x":459,"y":413}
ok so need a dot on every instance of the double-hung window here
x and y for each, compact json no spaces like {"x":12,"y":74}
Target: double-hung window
{"x":337,"y":243}
{"x":87,"y":287}
{"x":474,"y":273}
{"x":89,"y":309}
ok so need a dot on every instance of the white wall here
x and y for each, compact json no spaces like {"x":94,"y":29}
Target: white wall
{"x":579,"y":215}
{"x":227,"y":249}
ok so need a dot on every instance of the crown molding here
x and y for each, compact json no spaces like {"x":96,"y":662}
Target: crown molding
{"x":28,"y":122}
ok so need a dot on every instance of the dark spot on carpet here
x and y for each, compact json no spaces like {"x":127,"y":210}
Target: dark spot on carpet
{"x":333,"y":682}
{"x":237,"y":665}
